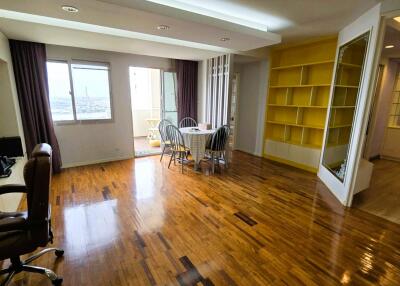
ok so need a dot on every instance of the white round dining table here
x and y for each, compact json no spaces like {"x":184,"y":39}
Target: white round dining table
{"x":196,"y":140}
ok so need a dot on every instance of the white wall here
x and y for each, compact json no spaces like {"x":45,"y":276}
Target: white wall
{"x":90,"y":143}
{"x":383,"y":103}
{"x":10,"y":119}
{"x":390,"y":147}
{"x":251,"y":109}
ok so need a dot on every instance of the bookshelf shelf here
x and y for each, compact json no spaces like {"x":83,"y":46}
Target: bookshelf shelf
{"x":296,"y":106}
{"x":300,"y":85}
{"x":349,"y":65}
{"x":302,"y":65}
{"x":296,"y":125}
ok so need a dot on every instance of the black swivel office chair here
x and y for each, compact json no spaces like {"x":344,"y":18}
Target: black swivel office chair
{"x":22,"y":233}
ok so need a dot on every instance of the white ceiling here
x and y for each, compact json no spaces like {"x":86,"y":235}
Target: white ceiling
{"x":196,"y":26}
{"x":292,"y":19}
{"x":392,"y":37}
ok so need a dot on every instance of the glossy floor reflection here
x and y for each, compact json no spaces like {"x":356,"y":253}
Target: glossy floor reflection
{"x":136,"y":222}
{"x":382,"y":198}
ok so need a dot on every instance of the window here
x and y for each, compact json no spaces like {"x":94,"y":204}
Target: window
{"x":85,"y":97}
{"x":60,"y":91}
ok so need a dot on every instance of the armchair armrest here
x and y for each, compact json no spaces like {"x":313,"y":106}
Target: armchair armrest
{"x":12,"y":188}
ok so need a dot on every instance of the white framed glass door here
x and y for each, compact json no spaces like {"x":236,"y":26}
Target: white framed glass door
{"x":168,"y":96}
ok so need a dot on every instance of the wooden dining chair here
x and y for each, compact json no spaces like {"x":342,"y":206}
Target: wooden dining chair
{"x":177,"y":145}
{"x":163,"y":135}
{"x":216,"y":147}
{"x":187,"y":122}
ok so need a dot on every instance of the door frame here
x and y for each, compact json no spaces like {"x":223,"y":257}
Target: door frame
{"x":162,"y":106}
{"x":236,"y":75}
{"x":372,"y":115}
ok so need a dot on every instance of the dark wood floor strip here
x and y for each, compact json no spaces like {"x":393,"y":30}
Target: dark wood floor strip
{"x":191,"y":276}
{"x":227,"y":279}
{"x":139,"y":239}
{"x":148,"y":273}
{"x":72,"y":188}
{"x":57,"y":200}
{"x":164,"y":241}
{"x":245,"y":218}
{"x":197,"y":199}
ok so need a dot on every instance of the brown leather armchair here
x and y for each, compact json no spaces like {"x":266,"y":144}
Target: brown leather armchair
{"x":23,"y":232}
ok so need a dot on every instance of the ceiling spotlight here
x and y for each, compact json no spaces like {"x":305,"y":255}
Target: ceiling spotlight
{"x":70,"y":9}
{"x":225,"y":39}
{"x":162,"y":27}
{"x":397,"y":19}
{"x":389,"y":46}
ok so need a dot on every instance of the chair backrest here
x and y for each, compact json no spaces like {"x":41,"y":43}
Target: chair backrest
{"x":37,"y":176}
{"x":175,"y":137}
{"x":187,"y":122}
{"x":219,"y":138}
{"x":162,"y":129}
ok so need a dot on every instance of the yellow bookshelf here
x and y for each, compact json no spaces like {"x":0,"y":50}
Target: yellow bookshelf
{"x":299,"y":87}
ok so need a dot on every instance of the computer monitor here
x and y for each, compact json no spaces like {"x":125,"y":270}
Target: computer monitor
{"x":11,"y":147}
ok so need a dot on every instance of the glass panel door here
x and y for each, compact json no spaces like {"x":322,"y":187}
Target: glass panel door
{"x":349,"y":72}
{"x":168,"y":98}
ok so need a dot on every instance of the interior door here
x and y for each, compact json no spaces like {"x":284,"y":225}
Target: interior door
{"x":350,"y":96}
{"x":168,"y":97}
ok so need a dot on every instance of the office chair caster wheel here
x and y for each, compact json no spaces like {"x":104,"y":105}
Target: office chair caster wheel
{"x":57,"y":282}
{"x":59,"y":253}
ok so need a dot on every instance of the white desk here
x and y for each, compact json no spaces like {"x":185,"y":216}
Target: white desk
{"x":10,"y":202}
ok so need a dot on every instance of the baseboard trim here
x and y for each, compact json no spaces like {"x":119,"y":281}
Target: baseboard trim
{"x":390,"y":158}
{"x":85,"y":163}
{"x":291,"y":163}
{"x":247,"y":152}
{"x":376,"y":157}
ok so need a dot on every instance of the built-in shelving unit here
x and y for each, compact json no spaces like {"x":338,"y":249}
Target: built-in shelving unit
{"x":299,"y":88}
{"x":394,"y":115}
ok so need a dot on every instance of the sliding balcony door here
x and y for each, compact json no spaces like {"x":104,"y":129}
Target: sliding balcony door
{"x":169,"y":97}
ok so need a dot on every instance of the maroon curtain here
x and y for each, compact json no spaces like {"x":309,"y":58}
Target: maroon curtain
{"x":186,"y":75}
{"x":29,"y":63}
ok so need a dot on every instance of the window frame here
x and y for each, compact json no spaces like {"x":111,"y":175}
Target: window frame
{"x":70,"y":62}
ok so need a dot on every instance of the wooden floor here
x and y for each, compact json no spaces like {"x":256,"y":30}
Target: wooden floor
{"x":383,"y":196}
{"x":136,"y":222}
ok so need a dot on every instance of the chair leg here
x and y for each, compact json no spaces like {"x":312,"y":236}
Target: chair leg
{"x":44,"y":271}
{"x":8,"y":278}
{"x":5,"y":271}
{"x":162,"y":153}
{"x":224,"y":157}
{"x":18,"y":266}
{"x":58,"y":251}
{"x":170,"y":160}
{"x":212,"y":162}
{"x":182,"y":157}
